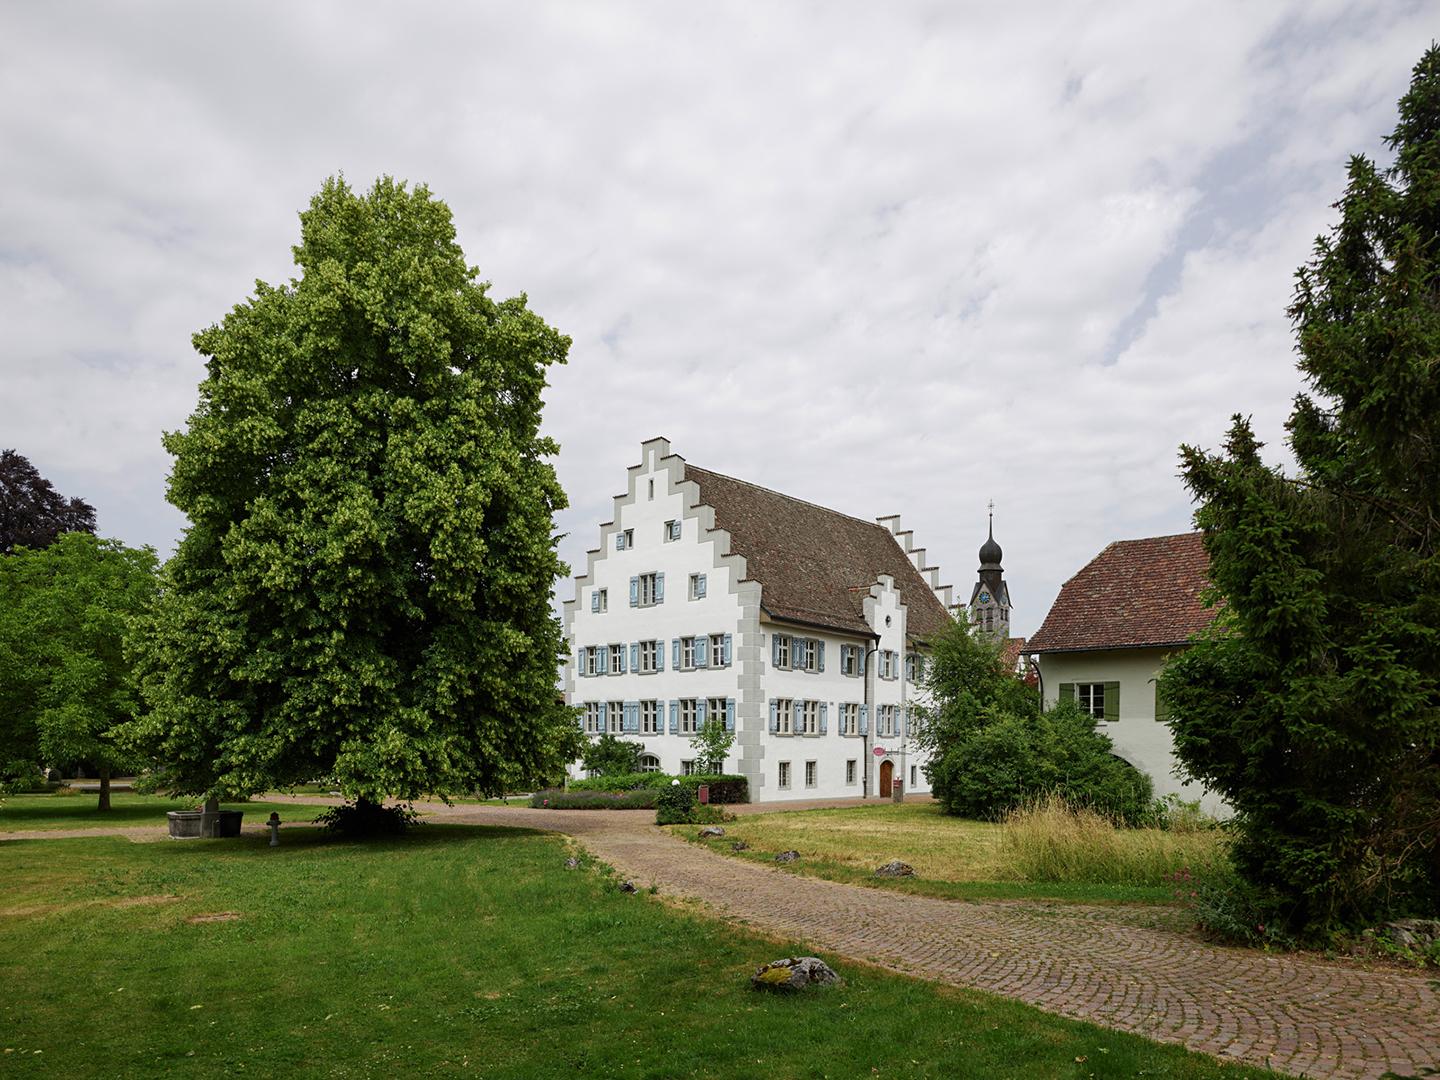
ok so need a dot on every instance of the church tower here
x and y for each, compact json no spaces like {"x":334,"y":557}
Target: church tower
{"x":990,"y":602}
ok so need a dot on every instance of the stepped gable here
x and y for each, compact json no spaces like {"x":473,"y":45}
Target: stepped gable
{"x":1134,"y":594}
{"x":815,"y":565}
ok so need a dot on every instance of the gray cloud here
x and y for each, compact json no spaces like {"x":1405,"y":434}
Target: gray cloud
{"x":890,"y":259}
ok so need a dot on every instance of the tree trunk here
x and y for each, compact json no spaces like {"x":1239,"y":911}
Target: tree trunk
{"x":104,"y":789}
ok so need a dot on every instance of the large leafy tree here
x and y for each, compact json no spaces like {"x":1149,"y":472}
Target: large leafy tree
{"x":992,"y":748}
{"x":32,"y":512}
{"x":65,"y":685}
{"x":1315,"y":707}
{"x":363,"y":592}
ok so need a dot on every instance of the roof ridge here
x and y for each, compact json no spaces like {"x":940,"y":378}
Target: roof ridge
{"x":791,"y":498}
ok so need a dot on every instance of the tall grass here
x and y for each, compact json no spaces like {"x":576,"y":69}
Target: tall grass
{"x":1050,"y":840}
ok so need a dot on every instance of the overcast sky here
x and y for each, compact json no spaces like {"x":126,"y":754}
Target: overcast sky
{"x":890,"y":258}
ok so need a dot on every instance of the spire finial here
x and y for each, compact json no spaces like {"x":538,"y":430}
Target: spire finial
{"x":991,"y":506}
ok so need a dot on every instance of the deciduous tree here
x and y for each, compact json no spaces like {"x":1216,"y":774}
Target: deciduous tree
{"x":32,"y":512}
{"x":363,"y":592}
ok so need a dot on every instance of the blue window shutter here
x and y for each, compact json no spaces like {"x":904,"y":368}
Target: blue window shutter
{"x":659,"y":588}
{"x":594,"y":599}
{"x":774,"y":716}
{"x":864,"y":719}
{"x":675,"y":653}
{"x":820,"y":654}
{"x":604,"y":722}
{"x":702,"y":646}
{"x":860,"y":649}
{"x":580,"y":662}
{"x":726,"y":660}
{"x":604,"y":658}
{"x":622,"y":659}
{"x":730,"y":714}
{"x":634,"y":656}
{"x":674,"y":718}
{"x":699,"y":714}
{"x":659,"y":656}
{"x":634,"y":592}
{"x":824,"y":716}
{"x":620,"y":540}
{"x":700,"y":587}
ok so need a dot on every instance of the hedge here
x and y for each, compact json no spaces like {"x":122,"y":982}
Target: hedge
{"x":723,"y":788}
{"x":556,"y":799}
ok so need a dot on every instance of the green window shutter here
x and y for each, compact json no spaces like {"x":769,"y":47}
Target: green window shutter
{"x":1112,"y":701}
{"x":1162,"y":708}
{"x":1067,"y":692}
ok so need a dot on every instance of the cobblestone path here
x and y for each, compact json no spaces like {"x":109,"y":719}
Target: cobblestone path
{"x":1296,"y":1014}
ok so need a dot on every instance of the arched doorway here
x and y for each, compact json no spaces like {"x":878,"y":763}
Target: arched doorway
{"x":887,"y":774}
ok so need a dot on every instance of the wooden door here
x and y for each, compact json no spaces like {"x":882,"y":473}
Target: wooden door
{"x":887,"y":774}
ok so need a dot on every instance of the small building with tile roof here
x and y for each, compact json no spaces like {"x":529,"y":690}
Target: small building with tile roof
{"x":802,"y":628}
{"x":1109,"y":633}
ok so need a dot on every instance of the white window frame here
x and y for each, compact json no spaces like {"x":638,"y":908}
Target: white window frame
{"x":850,"y":661}
{"x":617,"y":659}
{"x":1095,"y":691}
{"x":650,"y":651}
{"x":624,"y":539}
{"x":646,"y":589}
{"x":650,"y":718}
{"x":849,"y":718}
{"x":716,"y":657}
{"x":715,"y":709}
{"x":687,"y":654}
{"x":812,"y":774}
{"x":615,"y":717}
{"x":602,"y":601}
{"x":782,"y":776}
{"x":649,"y":763}
{"x":687,"y":767}
{"x":782,"y":651}
{"x":687,"y":716}
{"x":784,"y":716}
{"x":803,"y":654}
{"x":592,"y":718}
{"x":807,"y":720}
{"x":592,"y":660}
{"x":698,"y":586}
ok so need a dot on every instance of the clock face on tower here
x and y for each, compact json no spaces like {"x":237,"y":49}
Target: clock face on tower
{"x":984,"y":597}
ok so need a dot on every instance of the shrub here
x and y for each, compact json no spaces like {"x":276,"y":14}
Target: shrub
{"x":1231,"y":910}
{"x":611,"y":754}
{"x":674,"y":804}
{"x":556,"y":799}
{"x":723,"y":788}
{"x":1049,"y":839}
{"x":363,"y":818}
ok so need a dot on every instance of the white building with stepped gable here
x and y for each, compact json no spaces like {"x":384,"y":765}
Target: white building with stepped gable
{"x":802,"y":627}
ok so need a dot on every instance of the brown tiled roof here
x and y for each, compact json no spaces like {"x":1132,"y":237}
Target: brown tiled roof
{"x":814,"y":565}
{"x":1011,"y":653}
{"x":1133,"y":594}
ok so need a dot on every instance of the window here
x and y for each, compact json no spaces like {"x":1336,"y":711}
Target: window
{"x":687,"y":653}
{"x":887,"y":663}
{"x":687,"y":768}
{"x":599,"y":601}
{"x":912,"y":776}
{"x":914,"y":667}
{"x":697,"y":586}
{"x":625,"y":540}
{"x":719,"y":654}
{"x":780,"y":716}
{"x":687,"y":716}
{"x":852,"y":660}
{"x":649,"y":721}
{"x":649,"y":657}
{"x":885,"y":720}
{"x":807,"y":718}
{"x":1091,"y":698}
{"x":652,"y":489}
{"x":716,"y":709}
{"x":850,"y":771}
{"x":647,"y":590}
{"x":592,"y":660}
{"x":592,"y":718}
{"x":849,"y":719}
{"x":616,"y":714}
{"x":672,"y":530}
{"x":649,"y":763}
{"x":780,"y":647}
{"x":810,"y":773}
{"x":802,"y":654}
{"x":617,"y":659}
{"x":784,"y":775}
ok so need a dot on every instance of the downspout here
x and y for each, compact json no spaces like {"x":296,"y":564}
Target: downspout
{"x":869,"y":719}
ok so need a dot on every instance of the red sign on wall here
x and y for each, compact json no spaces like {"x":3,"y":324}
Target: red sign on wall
{"x":879,"y":751}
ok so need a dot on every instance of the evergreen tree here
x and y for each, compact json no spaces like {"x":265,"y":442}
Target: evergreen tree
{"x":363,"y":592}
{"x":1314,"y":707}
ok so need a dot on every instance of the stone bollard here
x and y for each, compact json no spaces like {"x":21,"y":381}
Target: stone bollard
{"x":274,"y":824}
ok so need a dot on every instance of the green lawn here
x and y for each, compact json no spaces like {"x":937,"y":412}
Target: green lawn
{"x":457,"y":951}
{"x":952,"y":857}
{"x":19,"y":813}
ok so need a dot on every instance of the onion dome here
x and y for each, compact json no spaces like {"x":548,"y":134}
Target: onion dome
{"x":990,"y":553}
